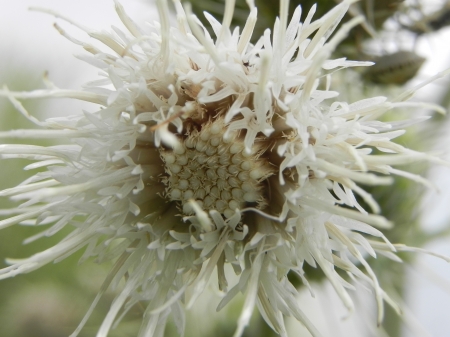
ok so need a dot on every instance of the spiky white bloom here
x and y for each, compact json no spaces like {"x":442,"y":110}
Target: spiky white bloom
{"x":213,"y":151}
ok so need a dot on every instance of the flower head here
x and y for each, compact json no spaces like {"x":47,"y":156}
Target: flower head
{"x":213,"y":151}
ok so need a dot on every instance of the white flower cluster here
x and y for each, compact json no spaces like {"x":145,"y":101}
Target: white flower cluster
{"x":210,"y":152}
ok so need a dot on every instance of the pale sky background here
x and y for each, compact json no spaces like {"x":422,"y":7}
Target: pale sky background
{"x":29,"y":41}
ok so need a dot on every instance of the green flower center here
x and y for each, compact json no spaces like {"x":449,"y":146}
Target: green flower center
{"x":215,"y":172}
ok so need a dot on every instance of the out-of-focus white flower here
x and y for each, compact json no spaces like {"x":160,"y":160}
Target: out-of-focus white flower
{"x":213,"y":151}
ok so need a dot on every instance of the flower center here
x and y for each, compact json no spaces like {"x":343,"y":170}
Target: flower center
{"x":215,"y":172}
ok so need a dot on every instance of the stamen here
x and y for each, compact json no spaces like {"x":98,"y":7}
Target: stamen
{"x":163,"y":11}
{"x":227,"y":17}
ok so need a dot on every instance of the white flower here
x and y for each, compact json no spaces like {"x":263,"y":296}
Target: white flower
{"x":213,"y":151}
